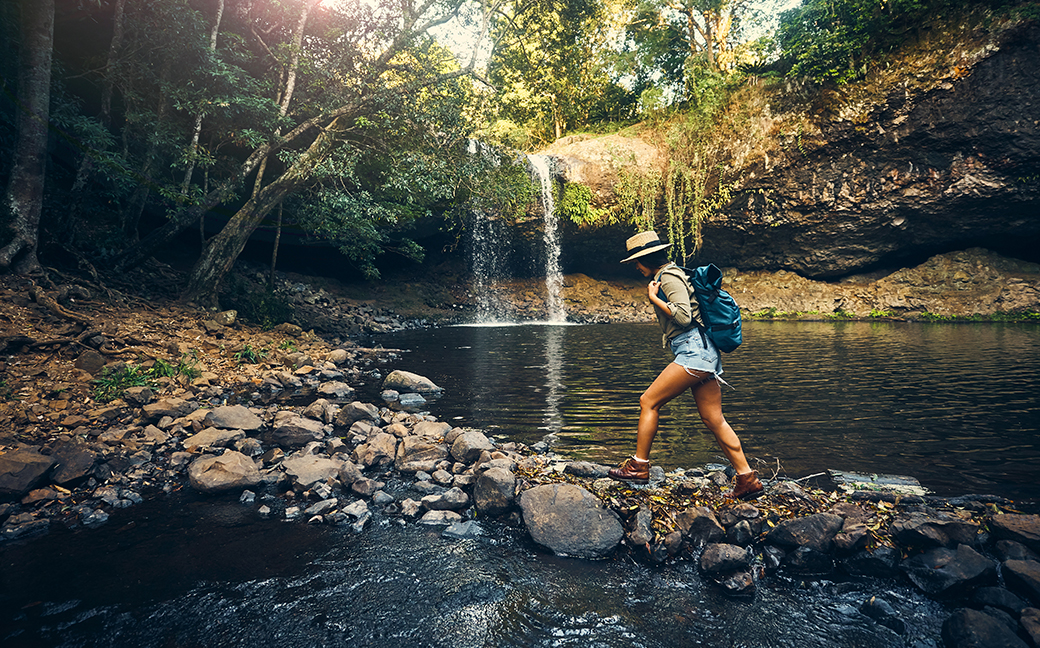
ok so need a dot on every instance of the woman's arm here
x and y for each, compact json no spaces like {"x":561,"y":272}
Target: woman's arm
{"x":677,"y":294}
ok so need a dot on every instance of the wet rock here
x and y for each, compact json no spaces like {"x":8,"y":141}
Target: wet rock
{"x":307,"y":470}
{"x":1024,"y":529}
{"x":138,"y":396}
{"x":356,"y":411}
{"x":23,"y":525}
{"x":570,"y":521}
{"x":973,"y":629}
{"x":366,"y":487}
{"x":322,"y":507}
{"x":1011,"y":550}
{"x":882,"y":562}
{"x":852,"y":538}
{"x":172,"y":407}
{"x":418,"y":453}
{"x":1023,"y":577}
{"x":1030,"y":623}
{"x":586,"y":469}
{"x":432,"y":429}
{"x":382,"y":498}
{"x":741,"y":583}
{"x":249,"y":446}
{"x":406,"y":381}
{"x":230,"y":471}
{"x":378,"y":451}
{"x":999,"y":598}
{"x":641,"y":534}
{"x":410,"y":508}
{"x":467,"y":446}
{"x":740,"y":534}
{"x":293,"y":431}
{"x":883,"y":612}
{"x":700,"y":526}
{"x":336,"y":391}
{"x":494,"y":490}
{"x":247,"y":497}
{"x":21,"y":470}
{"x":72,"y":462}
{"x":410,"y":402}
{"x":349,"y":472}
{"x":815,"y":531}
{"x":233,"y":417}
{"x":93,"y":518}
{"x":807,"y":560}
{"x":721,"y":558}
{"x":944,"y":571}
{"x":440,"y":518}
{"x":464,"y":530}
{"x":212,"y":438}
{"x":915,"y":529}
{"x":454,"y":499}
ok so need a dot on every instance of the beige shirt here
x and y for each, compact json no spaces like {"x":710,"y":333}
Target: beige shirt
{"x":685,"y":312}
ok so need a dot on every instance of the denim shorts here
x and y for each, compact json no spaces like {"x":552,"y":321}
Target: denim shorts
{"x":696,"y":352}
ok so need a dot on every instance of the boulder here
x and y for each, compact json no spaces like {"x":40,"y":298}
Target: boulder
{"x":916,"y":529}
{"x":570,"y":521}
{"x":410,"y":402}
{"x":431,"y":429}
{"x":406,"y":381}
{"x":72,"y":462}
{"x":1024,"y":529}
{"x":378,"y":450}
{"x":944,"y":571}
{"x":721,"y":558}
{"x":641,"y":533}
{"x":440,"y":518}
{"x":90,"y":361}
{"x":308,"y":470}
{"x":467,"y":446}
{"x":231,"y":470}
{"x":814,"y":531}
{"x":1023,"y":576}
{"x":212,"y":437}
{"x":293,"y":431}
{"x":138,"y":396}
{"x":973,"y":629}
{"x":21,"y":470}
{"x":493,"y":494}
{"x":357,"y":411}
{"x":700,"y":526}
{"x":454,"y":499}
{"x":415,"y":453}
{"x":336,"y":391}
{"x":172,"y":407}
{"x":882,"y":562}
{"x":999,"y":598}
{"x":1030,"y":622}
{"x":586,"y":469}
{"x":233,"y":417}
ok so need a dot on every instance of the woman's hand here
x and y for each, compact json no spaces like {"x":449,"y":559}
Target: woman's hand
{"x":652,"y":288}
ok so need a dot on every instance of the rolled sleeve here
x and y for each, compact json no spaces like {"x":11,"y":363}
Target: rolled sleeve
{"x":678,"y":297}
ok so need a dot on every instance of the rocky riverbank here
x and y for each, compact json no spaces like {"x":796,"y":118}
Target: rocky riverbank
{"x":107,"y":402}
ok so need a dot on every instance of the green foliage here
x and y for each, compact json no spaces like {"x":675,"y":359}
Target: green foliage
{"x":576,"y":204}
{"x":247,"y":354}
{"x":113,"y":382}
{"x":287,"y":345}
{"x":186,"y":366}
{"x":876,"y":313}
{"x":833,"y":40}
{"x":841,"y":314}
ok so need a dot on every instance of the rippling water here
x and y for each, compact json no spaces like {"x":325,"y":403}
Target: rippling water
{"x":195,"y":572}
{"x":956,"y":406}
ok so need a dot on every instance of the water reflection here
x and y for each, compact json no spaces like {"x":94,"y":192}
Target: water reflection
{"x":957,"y":406}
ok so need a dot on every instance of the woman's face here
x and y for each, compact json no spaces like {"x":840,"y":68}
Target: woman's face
{"x":645,"y":271}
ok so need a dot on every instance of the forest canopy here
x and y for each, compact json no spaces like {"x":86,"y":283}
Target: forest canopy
{"x":127,"y":127}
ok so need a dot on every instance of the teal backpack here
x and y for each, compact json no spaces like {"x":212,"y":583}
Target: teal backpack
{"x":720,"y":315}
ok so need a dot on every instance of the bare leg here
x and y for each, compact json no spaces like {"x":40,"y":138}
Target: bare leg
{"x":709,"y":404}
{"x":672,"y":381}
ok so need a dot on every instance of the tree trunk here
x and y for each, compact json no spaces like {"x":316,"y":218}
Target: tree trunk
{"x":25,"y":186}
{"x":223,"y":249}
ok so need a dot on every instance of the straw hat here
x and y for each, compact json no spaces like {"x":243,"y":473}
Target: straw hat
{"x":642,"y":244}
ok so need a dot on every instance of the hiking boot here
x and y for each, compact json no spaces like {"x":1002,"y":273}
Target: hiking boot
{"x":631,"y":470}
{"x":746,"y":486}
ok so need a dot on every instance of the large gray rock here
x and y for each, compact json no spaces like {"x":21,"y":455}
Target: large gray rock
{"x":973,"y":629}
{"x":431,"y":428}
{"x":212,"y":437}
{"x":917,"y":529}
{"x":378,"y":450}
{"x":406,"y":381}
{"x":357,"y":411}
{"x":307,"y":470}
{"x":949,"y":571}
{"x":814,"y":531}
{"x":231,"y":470}
{"x":1018,"y":528}
{"x":700,"y":526}
{"x":233,"y":417}
{"x":453,"y":499}
{"x":293,"y":431}
{"x":720,"y":558}
{"x":494,"y":492}
{"x":336,"y":391}
{"x":415,"y":453}
{"x":21,"y":470}
{"x":1023,"y":576}
{"x":467,"y":446}
{"x":570,"y":521}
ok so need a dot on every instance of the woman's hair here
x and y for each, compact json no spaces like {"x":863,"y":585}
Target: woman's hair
{"x":654,"y":259}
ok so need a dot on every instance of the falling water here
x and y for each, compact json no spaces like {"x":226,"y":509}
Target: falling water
{"x":487,"y":237}
{"x":553,"y":275}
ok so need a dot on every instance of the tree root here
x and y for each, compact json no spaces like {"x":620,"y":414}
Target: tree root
{"x":45,"y":300}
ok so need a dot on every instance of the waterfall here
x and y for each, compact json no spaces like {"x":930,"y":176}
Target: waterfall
{"x":487,"y":241}
{"x":553,"y":275}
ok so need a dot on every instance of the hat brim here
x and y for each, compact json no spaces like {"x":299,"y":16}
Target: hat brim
{"x":656,"y":248}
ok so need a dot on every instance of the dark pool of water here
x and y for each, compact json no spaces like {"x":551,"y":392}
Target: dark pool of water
{"x":956,"y":406}
{"x":193,"y":572}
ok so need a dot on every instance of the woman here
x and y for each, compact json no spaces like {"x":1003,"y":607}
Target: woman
{"x":696,"y":367}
